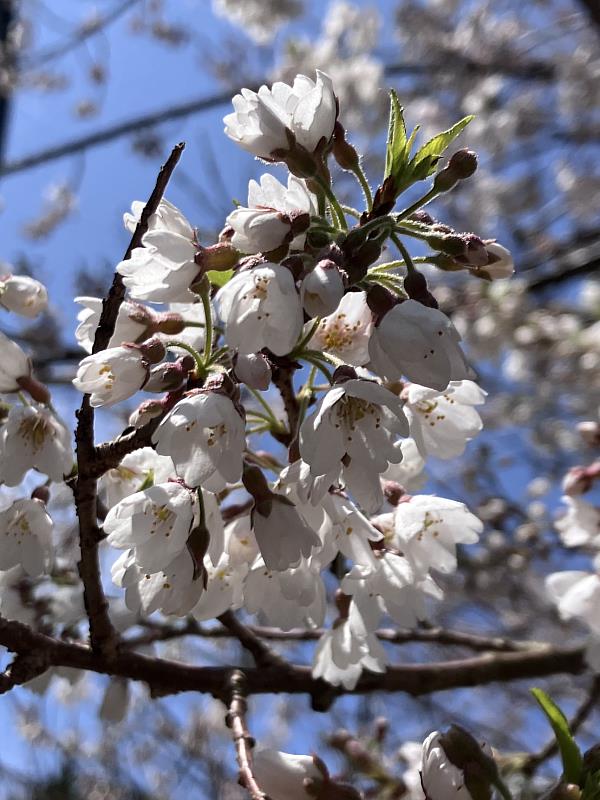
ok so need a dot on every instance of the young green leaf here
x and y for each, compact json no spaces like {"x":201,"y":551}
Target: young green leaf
{"x":396,"y":152}
{"x":572,"y":759}
{"x":424,"y":162}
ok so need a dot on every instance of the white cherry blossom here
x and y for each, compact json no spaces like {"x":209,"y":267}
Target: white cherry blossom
{"x":293,"y":598}
{"x":341,"y":656}
{"x":282,"y":535}
{"x":355,"y":425}
{"x":284,"y":776}
{"x":346,"y":332}
{"x":167,"y":217}
{"x":25,"y":536}
{"x":581,"y":523}
{"x":350,"y":533}
{"x":500,"y":262}
{"x":137,"y":470}
{"x":420,"y":343}
{"x":224,"y":588}
{"x":261,"y":308}
{"x":322,"y":289}
{"x":14,"y":364}
{"x":270,"y":218}
{"x":155,"y":522}
{"x":151,"y":276}
{"x":441,"y":423}
{"x":33,"y":437}
{"x":205,"y":436}
{"x":576,"y":594}
{"x":428,"y":528}
{"x":171,"y":590}
{"x":112,"y":375}
{"x":127,"y":328}
{"x":409,"y":472}
{"x":23,"y":295}
{"x":262,"y":121}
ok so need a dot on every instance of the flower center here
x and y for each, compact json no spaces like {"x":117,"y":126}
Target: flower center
{"x":35,"y":430}
{"x":337,"y":334}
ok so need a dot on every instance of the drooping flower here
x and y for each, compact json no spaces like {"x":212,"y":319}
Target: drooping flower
{"x":581,"y":523}
{"x":341,"y":656}
{"x":428,"y":528}
{"x":205,"y":436}
{"x":25,"y":536}
{"x":112,"y":375}
{"x":224,"y":588}
{"x":409,"y":472}
{"x":14,"y":365}
{"x":34,"y":438}
{"x":322,"y":289}
{"x":263,"y":121}
{"x":284,"y":776}
{"x":261,"y":308}
{"x":275,"y":215}
{"x":346,"y":332}
{"x":442,"y":423}
{"x":355,"y":426}
{"x":282,"y":535}
{"x":23,"y":295}
{"x":155,"y":522}
{"x":420,"y":343}
{"x":130,"y":325}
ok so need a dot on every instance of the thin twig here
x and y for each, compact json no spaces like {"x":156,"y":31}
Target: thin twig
{"x":262,"y":655}
{"x":102,"y":634}
{"x":236,"y":721}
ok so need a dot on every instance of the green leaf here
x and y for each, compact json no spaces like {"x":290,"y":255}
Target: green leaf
{"x":396,"y":140}
{"x":591,"y":789}
{"x":219,"y":278}
{"x":569,"y":751}
{"x":424,"y":162}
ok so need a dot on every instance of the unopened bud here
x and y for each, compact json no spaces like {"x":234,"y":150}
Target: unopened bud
{"x":169,"y":377}
{"x":463,"y":163}
{"x":415,"y":286}
{"x":153,"y":350}
{"x":393,"y":492}
{"x":169,"y":322}
{"x":322,"y":289}
{"x":146,"y":412}
{"x":343,"y":152}
{"x":218,"y":257}
{"x":38,"y":391}
{"x":445,"y":180}
{"x":253,"y":369}
{"x":41,"y":493}
{"x":380,"y":300}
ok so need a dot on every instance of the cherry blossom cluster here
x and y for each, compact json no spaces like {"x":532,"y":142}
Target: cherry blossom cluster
{"x":297,"y":380}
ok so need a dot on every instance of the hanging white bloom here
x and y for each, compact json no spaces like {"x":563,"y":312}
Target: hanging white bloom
{"x":409,"y":473}
{"x":262,"y":121}
{"x":261,"y":308}
{"x":151,"y":276}
{"x":581,"y":523}
{"x":205,"y":436}
{"x":284,"y":776}
{"x":341,"y":656}
{"x":25,"y":536}
{"x":112,"y":375}
{"x":155,"y":522}
{"x":33,"y":437}
{"x":428,"y":528}
{"x":393,"y":587}
{"x":23,"y":295}
{"x":167,"y":217}
{"x":137,"y":470}
{"x":293,"y":598}
{"x":274,"y":216}
{"x":322,"y":289}
{"x":240,"y":541}
{"x":282,"y":535}
{"x":254,"y":370}
{"x":442,"y":423}
{"x":442,"y":780}
{"x":346,"y":332}
{"x":420,"y":343}
{"x":355,"y":424}
{"x":171,"y":590}
{"x":224,"y":588}
{"x":350,"y":533}
{"x":129,"y":327}
{"x":14,"y":365}
{"x":576,"y":594}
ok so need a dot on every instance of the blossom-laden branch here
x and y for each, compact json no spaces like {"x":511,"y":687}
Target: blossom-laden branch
{"x":236,"y":721}
{"x":102,"y":633}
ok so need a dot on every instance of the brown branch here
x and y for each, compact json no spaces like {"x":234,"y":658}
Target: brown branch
{"x":262,"y":655}
{"x":244,"y":743}
{"x":283,"y":378}
{"x":102,"y":634}
{"x":164,"y":676}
